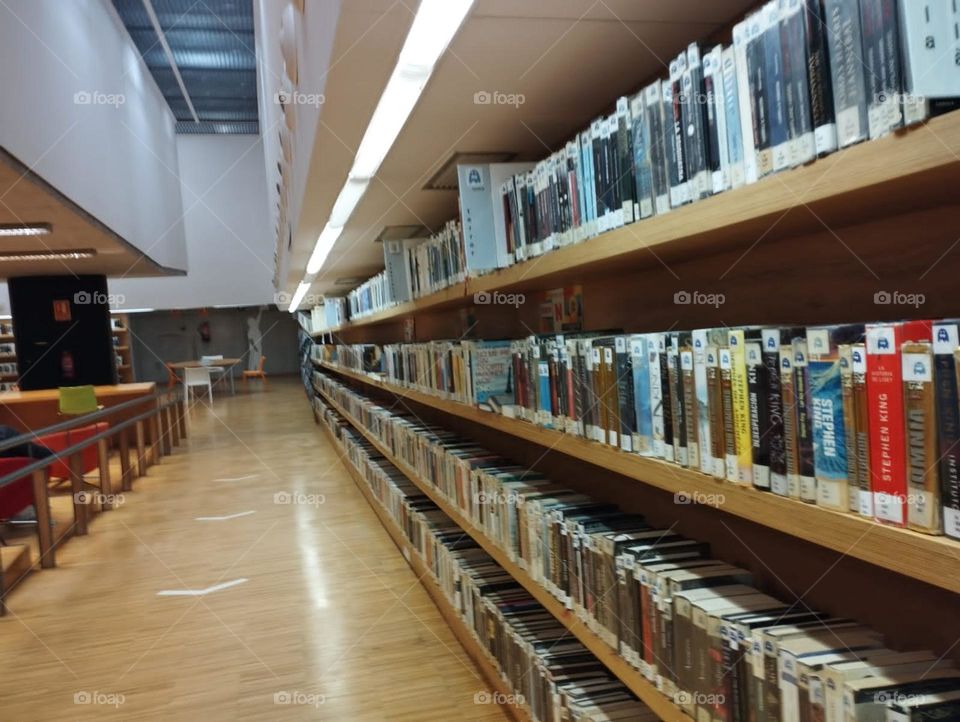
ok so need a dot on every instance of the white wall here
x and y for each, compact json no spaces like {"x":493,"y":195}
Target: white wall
{"x":117,"y":160}
{"x":230,"y":243}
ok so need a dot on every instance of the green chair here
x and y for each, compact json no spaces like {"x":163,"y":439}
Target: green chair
{"x":77,"y":400}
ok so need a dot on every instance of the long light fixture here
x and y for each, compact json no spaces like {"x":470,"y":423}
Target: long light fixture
{"x":25,"y":229}
{"x":65,"y":255}
{"x":434,"y":26}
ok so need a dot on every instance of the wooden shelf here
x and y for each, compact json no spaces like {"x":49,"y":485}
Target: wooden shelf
{"x":902,"y":172}
{"x":6,"y":338}
{"x":424,"y":575}
{"x":121,"y":348}
{"x":931,"y":559}
{"x":636,"y":682}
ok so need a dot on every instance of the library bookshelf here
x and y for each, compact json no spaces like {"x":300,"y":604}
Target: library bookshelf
{"x":931,"y":559}
{"x":861,"y":185}
{"x":647,"y":692}
{"x":460,"y":630}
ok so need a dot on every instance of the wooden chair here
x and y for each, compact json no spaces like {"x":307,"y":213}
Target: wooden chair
{"x":172,"y":378}
{"x":258,"y":374}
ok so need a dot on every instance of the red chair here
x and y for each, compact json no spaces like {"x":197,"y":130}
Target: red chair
{"x":91,"y":458}
{"x":17,"y":495}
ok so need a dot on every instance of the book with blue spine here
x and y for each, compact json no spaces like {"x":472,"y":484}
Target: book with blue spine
{"x":643,"y":172}
{"x":640,"y":368}
{"x":731,"y":118}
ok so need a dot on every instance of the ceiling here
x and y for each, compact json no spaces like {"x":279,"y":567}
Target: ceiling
{"x":28,"y":199}
{"x":570,"y":59}
{"x":212,"y":42}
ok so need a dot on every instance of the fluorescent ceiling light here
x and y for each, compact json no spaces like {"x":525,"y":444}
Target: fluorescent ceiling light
{"x":298,"y":296}
{"x":25,"y":229}
{"x":133,"y":310}
{"x":433,"y":28}
{"x":324,"y":245}
{"x":66,"y":255}
{"x":349,"y":197}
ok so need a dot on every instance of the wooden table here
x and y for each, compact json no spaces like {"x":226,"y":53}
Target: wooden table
{"x":32,"y":410}
{"x":226,"y":364}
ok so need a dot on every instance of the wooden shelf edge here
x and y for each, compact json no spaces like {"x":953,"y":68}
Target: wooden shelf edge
{"x":930,"y":559}
{"x":460,"y":630}
{"x":633,"y":679}
{"x":899,"y":157}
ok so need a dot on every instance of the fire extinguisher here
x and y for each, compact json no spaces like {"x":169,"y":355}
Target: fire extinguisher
{"x":66,"y":366}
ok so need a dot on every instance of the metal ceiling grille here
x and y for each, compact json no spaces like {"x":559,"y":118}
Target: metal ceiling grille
{"x":212,"y":42}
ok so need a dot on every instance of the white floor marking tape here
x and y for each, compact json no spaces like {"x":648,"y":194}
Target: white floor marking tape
{"x":200,"y":592}
{"x":224,"y":518}
{"x":238,"y":478}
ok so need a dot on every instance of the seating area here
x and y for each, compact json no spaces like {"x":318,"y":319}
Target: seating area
{"x":54,"y":480}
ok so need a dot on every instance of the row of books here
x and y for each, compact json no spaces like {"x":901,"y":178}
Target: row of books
{"x":369,"y":297}
{"x":801,"y":79}
{"x":855,"y":418}
{"x":552,"y":675}
{"x":695,"y":626}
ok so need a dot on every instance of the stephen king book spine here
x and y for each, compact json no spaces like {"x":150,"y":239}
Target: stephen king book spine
{"x":741,"y":406}
{"x":731,"y":466}
{"x":861,"y":407}
{"x":946,"y":341}
{"x":718,"y":444}
{"x":920,"y":420}
{"x":829,"y":433}
{"x":691,"y":424}
{"x":819,"y":81}
{"x":770,"y":339}
{"x":757,"y":382}
{"x":790,"y":440}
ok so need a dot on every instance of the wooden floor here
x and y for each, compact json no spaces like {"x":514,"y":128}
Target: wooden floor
{"x":330,"y":624}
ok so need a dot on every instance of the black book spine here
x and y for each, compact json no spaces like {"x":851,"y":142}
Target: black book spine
{"x":625,"y":172}
{"x":758,"y":383}
{"x":819,"y":82}
{"x":774,"y":89}
{"x":695,"y":121}
{"x":948,"y":425}
{"x":666,"y":395}
{"x":776,"y":445}
{"x":658,"y":157}
{"x":847,"y":69}
{"x":678,"y":171}
{"x":804,"y":427}
{"x":599,"y":190}
{"x":713,"y":127}
{"x":756,"y":68}
{"x":881,"y":51}
{"x":678,"y":414}
{"x":625,"y":392}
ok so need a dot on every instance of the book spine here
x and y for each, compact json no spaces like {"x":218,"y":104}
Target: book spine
{"x":659,"y":165}
{"x":611,"y":396}
{"x":885,"y":391}
{"x":677,"y":410}
{"x":731,"y":467}
{"x":758,"y":94}
{"x":790,"y":440}
{"x":849,"y":425}
{"x":758,"y":390}
{"x":718,"y":444}
{"x":704,"y":443}
{"x":775,"y":82}
{"x":775,"y":412}
{"x":690,"y":406}
{"x":625,"y":394}
{"x":861,"y":407}
{"x":679,"y":186}
{"x":625,"y":174}
{"x":829,"y":434}
{"x":741,"y":407}
{"x":669,"y":450}
{"x":924,"y":37}
{"x":639,"y":361}
{"x":946,"y":340}
{"x":656,"y":397}
{"x":732,"y":118}
{"x":881,"y":57}
{"x":642,"y":170}
{"x":804,"y":403}
{"x":716,"y":128}
{"x":924,"y":509}
{"x":743,"y":66}
{"x":847,"y":73}
{"x":695,"y":122}
{"x":797,"y":88}
{"x":819,"y":81}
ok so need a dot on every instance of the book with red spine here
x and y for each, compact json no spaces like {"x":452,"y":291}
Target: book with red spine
{"x":888,"y":460}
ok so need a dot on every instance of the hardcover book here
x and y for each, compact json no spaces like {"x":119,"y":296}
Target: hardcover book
{"x":846,"y":66}
{"x":946,"y":341}
{"x":920,"y":419}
